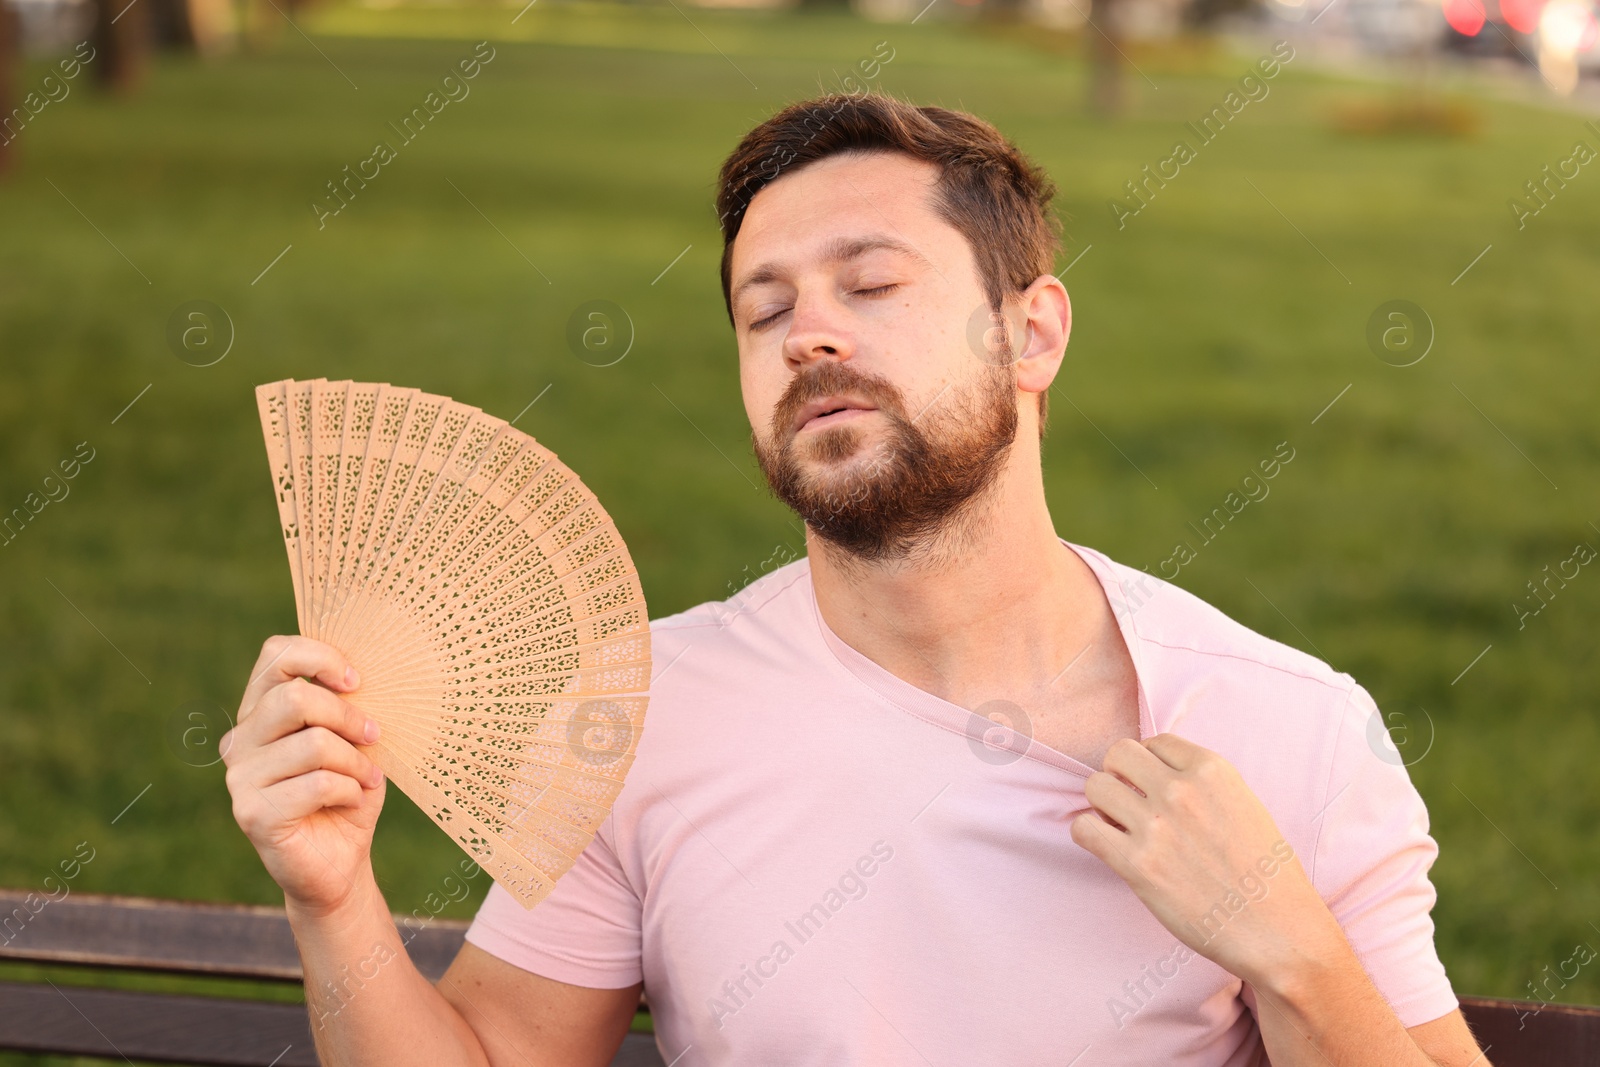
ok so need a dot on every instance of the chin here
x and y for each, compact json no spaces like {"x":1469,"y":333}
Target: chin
{"x":837,"y":447}
{"x":836,"y":484}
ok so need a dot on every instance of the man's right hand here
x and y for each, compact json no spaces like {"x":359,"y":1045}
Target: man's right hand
{"x":308,"y":799}
{"x":302,"y":792}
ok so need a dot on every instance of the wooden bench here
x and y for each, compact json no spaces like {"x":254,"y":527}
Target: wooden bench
{"x":236,"y":941}
{"x":174,"y":937}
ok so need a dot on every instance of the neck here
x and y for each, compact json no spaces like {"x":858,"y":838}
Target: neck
{"x":993,"y":606}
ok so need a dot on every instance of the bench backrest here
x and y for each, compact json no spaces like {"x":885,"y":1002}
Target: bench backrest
{"x":132,"y":933}
{"x":1520,"y":1033}
{"x":237,"y":940}
{"x":242,"y":941}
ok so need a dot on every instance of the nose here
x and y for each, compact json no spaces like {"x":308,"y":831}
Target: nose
{"x":818,"y":330}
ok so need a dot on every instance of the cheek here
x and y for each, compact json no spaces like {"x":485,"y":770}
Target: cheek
{"x":761,"y":388}
{"x":926,"y":363}
{"x":946,"y":348}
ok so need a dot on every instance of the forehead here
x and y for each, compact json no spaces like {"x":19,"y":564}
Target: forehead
{"x":802,"y":215}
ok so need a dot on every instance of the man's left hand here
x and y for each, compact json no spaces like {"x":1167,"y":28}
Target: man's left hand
{"x":1180,"y":826}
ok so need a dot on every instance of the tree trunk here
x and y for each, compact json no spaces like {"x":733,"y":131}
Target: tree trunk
{"x":122,"y":41}
{"x":10,"y":68}
{"x":1106,"y":89}
{"x":172,"y":27}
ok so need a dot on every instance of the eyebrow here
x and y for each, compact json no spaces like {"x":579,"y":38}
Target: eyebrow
{"x":838,"y":250}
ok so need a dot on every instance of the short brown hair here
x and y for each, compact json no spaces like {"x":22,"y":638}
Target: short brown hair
{"x":996,"y":197}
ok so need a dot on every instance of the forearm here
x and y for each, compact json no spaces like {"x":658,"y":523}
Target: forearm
{"x":368,"y":1003}
{"x":1318,"y":1007}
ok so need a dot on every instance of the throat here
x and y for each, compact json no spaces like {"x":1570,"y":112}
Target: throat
{"x":1085,"y":723}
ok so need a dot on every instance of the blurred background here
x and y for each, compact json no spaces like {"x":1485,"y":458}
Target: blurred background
{"x":1377,"y":254}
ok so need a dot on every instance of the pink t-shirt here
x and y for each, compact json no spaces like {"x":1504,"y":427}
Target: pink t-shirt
{"x":815,"y":862}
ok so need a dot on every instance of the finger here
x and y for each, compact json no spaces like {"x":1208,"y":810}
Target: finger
{"x":295,"y":798}
{"x":1136,"y":764}
{"x":1176,"y":752}
{"x":1098,"y":838}
{"x":284,"y":657}
{"x":1113,"y":797}
{"x":296,"y":704}
{"x":304,"y":751}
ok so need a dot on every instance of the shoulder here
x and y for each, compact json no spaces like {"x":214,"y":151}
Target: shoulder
{"x":1189,"y":632}
{"x":1301,"y":732}
{"x":761,"y":621}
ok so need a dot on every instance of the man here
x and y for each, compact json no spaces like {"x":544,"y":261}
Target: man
{"x":1161,"y":838}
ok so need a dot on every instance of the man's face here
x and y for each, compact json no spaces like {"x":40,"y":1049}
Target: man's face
{"x":873,"y":414}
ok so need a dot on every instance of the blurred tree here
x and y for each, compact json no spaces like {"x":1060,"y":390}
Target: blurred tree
{"x":122,"y":41}
{"x":1204,"y":14}
{"x":203,"y":26}
{"x":1106,"y":91}
{"x":172,"y":27}
{"x":264,"y":19}
{"x":10,"y":46}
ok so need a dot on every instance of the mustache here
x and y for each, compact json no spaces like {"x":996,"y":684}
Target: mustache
{"x":831,"y":378}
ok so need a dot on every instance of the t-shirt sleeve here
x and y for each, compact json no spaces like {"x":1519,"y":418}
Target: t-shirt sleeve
{"x":586,"y":932}
{"x":1371,"y":859}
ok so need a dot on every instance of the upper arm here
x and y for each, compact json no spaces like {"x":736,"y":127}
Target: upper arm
{"x":1448,"y":1042}
{"x":524,"y":1019}
{"x":1370,"y":861}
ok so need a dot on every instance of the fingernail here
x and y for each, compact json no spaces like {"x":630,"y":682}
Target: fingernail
{"x":351,"y":678}
{"x":371,"y":732}
{"x":375,"y":779}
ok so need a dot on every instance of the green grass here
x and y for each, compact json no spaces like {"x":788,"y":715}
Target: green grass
{"x":1207,"y":331}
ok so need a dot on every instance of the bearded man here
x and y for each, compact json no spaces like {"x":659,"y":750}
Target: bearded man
{"x":947,"y":790}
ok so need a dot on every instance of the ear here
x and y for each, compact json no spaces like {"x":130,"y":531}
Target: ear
{"x":1044,"y":312}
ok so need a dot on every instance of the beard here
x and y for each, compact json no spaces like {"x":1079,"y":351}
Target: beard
{"x":908,"y":487}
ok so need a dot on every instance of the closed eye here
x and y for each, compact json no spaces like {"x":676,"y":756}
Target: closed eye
{"x":878,"y":289}
{"x":759,"y":323}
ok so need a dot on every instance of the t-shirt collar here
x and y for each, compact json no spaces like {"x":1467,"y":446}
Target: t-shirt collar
{"x":953,"y":717}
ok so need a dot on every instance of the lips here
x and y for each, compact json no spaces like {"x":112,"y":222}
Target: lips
{"x":828,"y":408}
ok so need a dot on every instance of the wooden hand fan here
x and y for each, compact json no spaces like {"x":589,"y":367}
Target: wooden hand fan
{"x":488,"y":603}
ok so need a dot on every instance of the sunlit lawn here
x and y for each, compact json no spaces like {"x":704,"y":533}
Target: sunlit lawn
{"x":1221,"y":321}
